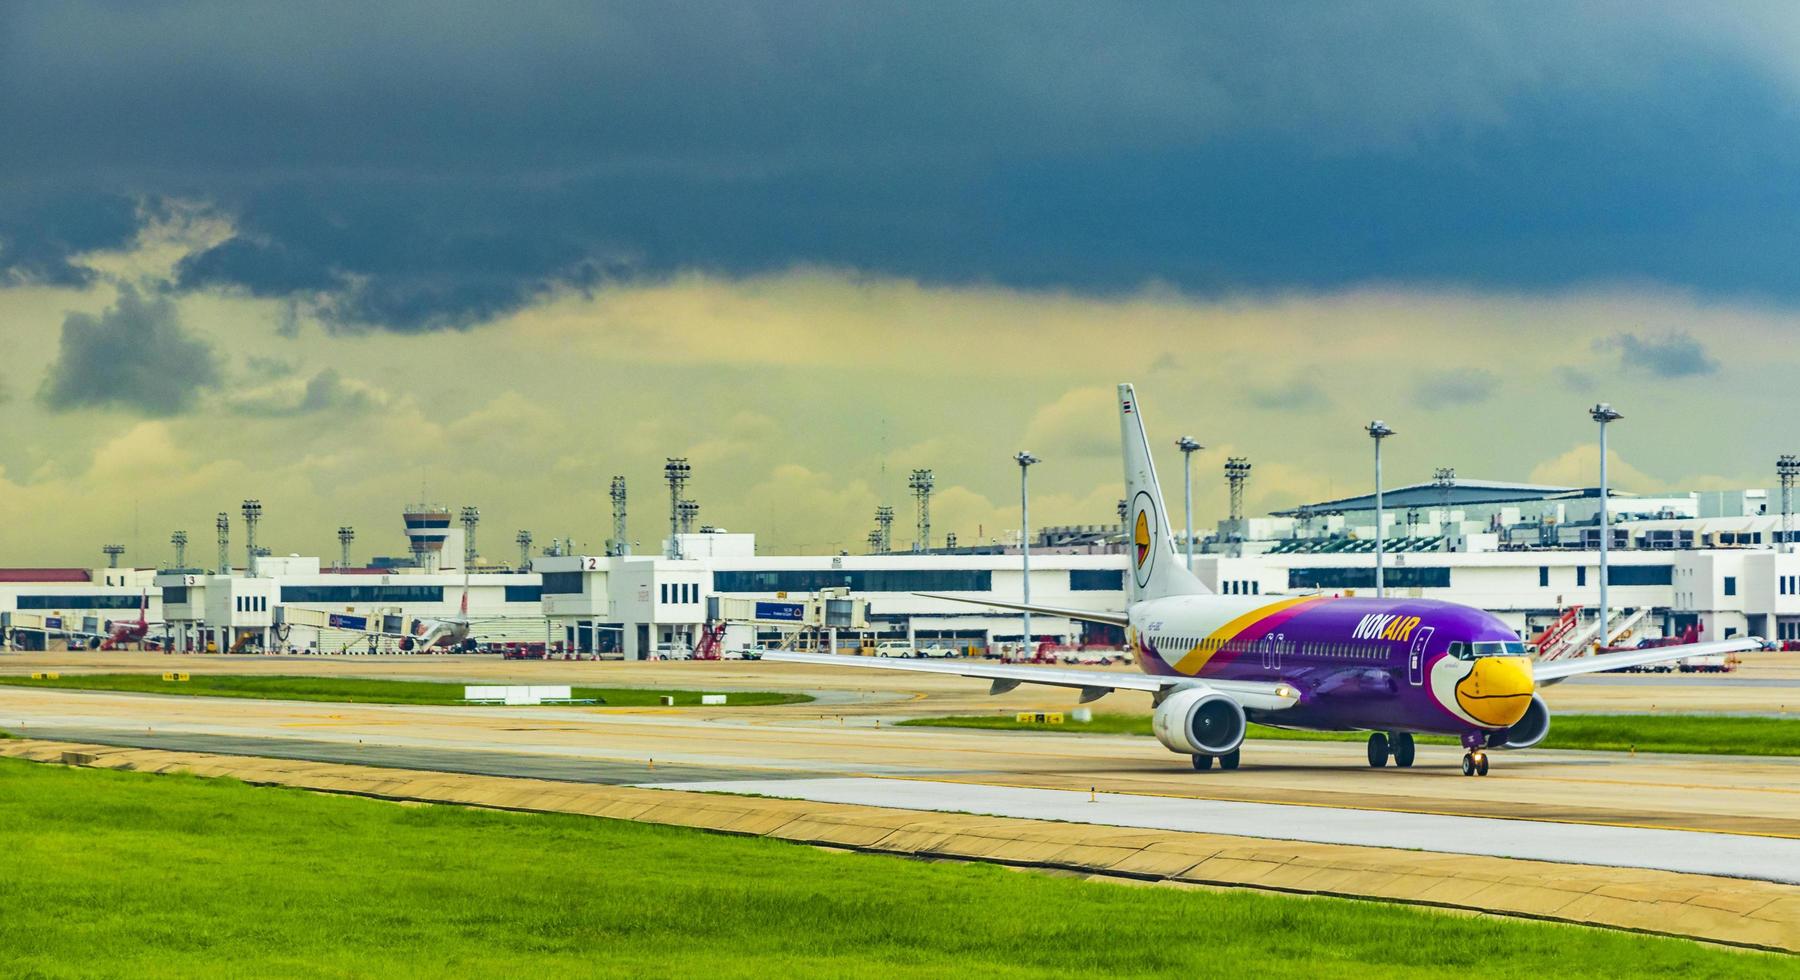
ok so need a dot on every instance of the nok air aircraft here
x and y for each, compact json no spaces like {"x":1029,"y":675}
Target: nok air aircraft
{"x":1394,"y":668}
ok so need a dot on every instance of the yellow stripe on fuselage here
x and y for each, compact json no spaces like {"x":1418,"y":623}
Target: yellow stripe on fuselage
{"x":1194,"y":660}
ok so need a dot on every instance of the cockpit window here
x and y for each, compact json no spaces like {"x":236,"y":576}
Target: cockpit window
{"x":1497,"y":648}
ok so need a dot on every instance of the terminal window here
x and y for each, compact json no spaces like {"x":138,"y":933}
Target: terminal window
{"x":524,"y":593}
{"x":1731,"y":585}
{"x":362,"y":593}
{"x":79,"y":601}
{"x":857,"y":580}
{"x":1640,"y":574}
{"x":1096,"y":580}
{"x":1364,"y":578}
{"x":562,"y":583}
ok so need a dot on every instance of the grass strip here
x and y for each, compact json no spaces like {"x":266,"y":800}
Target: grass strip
{"x":130,"y":874}
{"x":363,"y":691}
{"x":1701,"y":734}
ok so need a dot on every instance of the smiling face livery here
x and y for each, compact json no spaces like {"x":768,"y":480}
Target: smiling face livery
{"x":1398,"y":665}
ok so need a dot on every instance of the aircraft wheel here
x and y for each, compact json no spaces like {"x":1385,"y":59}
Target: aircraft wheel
{"x":1202,"y":763}
{"x":1378,"y":749}
{"x":1481,"y":764}
{"x":1403,"y":749}
{"x":1229,"y":760}
{"x":1468,"y":764}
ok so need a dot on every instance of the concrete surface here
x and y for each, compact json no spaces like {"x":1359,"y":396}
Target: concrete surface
{"x":1731,"y":855}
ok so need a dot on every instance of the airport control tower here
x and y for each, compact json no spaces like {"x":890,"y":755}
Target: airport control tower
{"x":427,"y":525}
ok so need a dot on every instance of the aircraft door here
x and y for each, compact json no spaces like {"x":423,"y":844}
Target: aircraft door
{"x":1415,"y":658}
{"x":1271,"y":652}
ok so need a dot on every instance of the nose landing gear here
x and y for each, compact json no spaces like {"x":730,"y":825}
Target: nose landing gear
{"x":1475,"y":764}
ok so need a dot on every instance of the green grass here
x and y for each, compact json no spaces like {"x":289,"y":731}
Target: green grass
{"x":130,"y":874}
{"x":1705,"y":734}
{"x":362,"y":691}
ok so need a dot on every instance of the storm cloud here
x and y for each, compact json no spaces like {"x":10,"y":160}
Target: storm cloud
{"x":414,"y":166}
{"x":135,"y":355}
{"x":1460,"y":386}
{"x":1672,"y":355}
{"x":326,"y":391}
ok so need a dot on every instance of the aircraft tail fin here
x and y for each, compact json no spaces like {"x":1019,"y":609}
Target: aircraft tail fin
{"x":1156,"y":566}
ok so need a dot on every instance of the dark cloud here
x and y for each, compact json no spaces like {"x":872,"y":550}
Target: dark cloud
{"x":391,"y":175}
{"x":1297,"y":395}
{"x":269,"y":367}
{"x":1460,"y":386}
{"x":326,"y":391}
{"x":135,"y":355}
{"x":39,"y":236}
{"x":1672,"y":355}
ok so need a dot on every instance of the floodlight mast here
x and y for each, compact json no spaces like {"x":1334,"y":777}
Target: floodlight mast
{"x":1378,"y":430}
{"x":1603,"y":414}
{"x":921,"y":483}
{"x":252,"y":515}
{"x":1787,"y":468}
{"x":1025,"y":461}
{"x":1188,"y":447}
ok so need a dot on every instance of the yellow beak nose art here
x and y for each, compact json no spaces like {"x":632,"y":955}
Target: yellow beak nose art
{"x":1497,"y":690}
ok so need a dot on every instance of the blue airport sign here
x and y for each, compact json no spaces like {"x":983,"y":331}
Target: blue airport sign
{"x":781,"y":612}
{"x":343,"y":622}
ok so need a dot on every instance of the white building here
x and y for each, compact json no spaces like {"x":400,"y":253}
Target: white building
{"x":39,"y":604}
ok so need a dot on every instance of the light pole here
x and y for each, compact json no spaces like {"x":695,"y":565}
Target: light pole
{"x":252,"y":515}
{"x":1187,"y":445}
{"x":1787,"y":467}
{"x":1603,"y":413}
{"x":1378,"y":430}
{"x":1025,"y":460}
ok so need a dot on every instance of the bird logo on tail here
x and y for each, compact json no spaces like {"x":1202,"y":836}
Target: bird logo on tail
{"x":1141,"y":537}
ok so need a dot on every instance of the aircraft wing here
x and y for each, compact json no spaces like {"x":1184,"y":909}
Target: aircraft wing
{"x":1087,"y":615}
{"x":1093,"y":684}
{"x":1556,"y":670}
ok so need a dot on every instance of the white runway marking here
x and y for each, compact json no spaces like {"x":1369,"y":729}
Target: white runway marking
{"x":1695,"y":852}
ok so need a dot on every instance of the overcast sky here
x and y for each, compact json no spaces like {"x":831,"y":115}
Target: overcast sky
{"x":324,"y":254}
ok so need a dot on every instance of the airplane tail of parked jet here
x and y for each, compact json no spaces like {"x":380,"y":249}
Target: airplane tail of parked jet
{"x":1156,"y":566}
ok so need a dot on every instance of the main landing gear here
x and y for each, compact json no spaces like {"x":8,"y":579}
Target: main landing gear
{"x":1227,"y":762}
{"x":1399,"y":745}
{"x":1475,"y":763}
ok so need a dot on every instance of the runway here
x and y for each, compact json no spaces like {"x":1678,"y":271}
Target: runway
{"x":1711,"y":794}
{"x":1731,"y":855}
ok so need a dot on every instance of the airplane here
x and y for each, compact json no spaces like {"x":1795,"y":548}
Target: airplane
{"x":449,"y":632}
{"x":1212,"y":663}
{"x":117,"y":633}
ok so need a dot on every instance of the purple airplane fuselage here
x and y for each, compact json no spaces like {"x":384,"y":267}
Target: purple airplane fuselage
{"x":1397,"y":665}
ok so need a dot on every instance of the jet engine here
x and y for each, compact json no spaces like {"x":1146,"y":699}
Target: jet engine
{"x":1199,"y":721}
{"x":1529,"y":730}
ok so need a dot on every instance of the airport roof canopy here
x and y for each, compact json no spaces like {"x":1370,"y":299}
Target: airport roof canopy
{"x":1434,"y":494}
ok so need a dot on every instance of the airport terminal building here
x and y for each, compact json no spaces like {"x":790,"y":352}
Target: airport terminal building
{"x":1527,"y":553}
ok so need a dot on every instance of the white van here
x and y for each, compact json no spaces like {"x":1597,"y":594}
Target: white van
{"x":903,"y":648}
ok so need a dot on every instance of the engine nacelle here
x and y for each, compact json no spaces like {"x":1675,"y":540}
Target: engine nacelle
{"x":1529,"y":730}
{"x":1199,"y":721}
